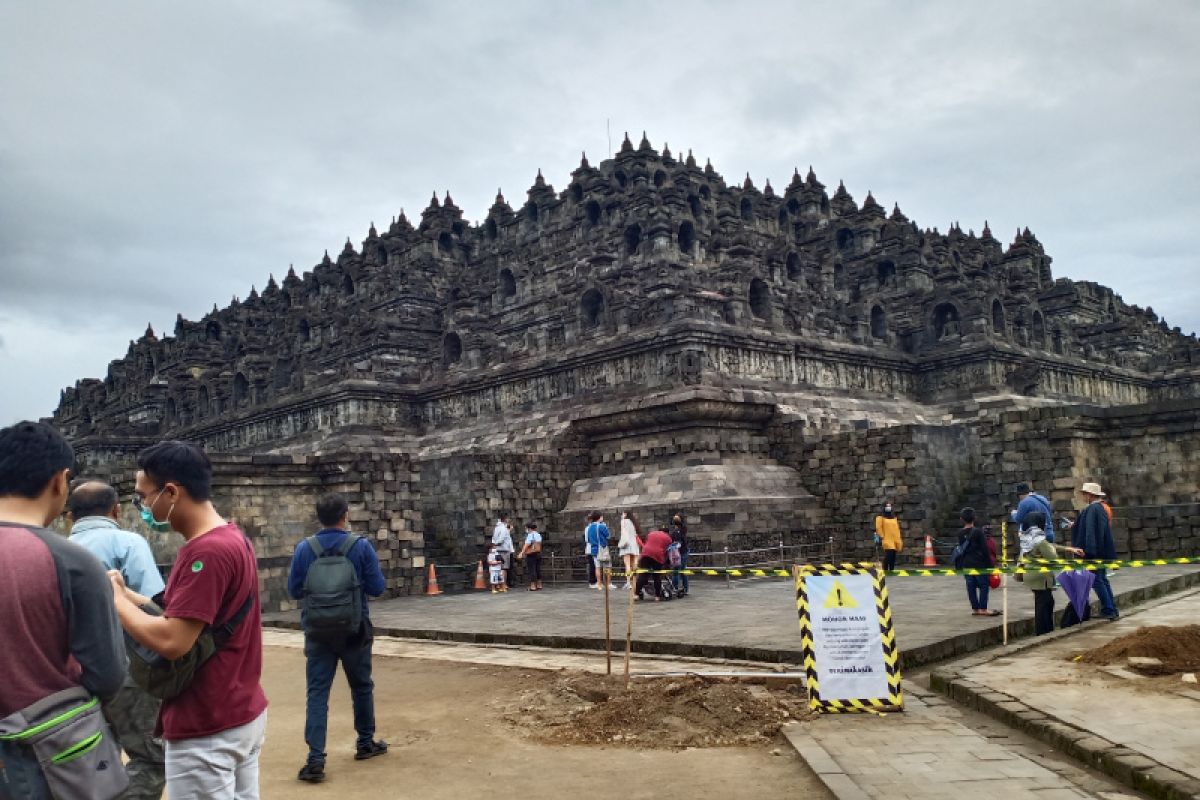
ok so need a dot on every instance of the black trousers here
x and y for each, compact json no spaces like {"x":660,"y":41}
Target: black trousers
{"x":533,"y":567}
{"x":1043,"y":611}
{"x":889,"y":559}
{"x":645,"y":562}
{"x":591,"y":568}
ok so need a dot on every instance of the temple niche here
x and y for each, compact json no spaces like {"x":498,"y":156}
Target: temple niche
{"x":647,"y":328}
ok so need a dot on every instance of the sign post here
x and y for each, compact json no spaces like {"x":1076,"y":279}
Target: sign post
{"x":850,"y":654}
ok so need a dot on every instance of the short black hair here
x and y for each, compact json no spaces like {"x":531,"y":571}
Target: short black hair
{"x":531,"y":526}
{"x":178,"y":462}
{"x":1035,"y":519}
{"x":1022,"y":488}
{"x":31,"y":454}
{"x":331,"y":508}
{"x":595,"y":516}
{"x":91,"y":499}
{"x":967,"y":514}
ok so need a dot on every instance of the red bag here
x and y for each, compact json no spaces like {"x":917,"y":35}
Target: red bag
{"x":994,"y":581}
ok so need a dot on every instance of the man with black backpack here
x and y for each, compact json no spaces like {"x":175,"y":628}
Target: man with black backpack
{"x":333,"y":572}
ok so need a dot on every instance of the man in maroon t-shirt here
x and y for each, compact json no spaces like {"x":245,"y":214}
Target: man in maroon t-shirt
{"x":215,"y":728}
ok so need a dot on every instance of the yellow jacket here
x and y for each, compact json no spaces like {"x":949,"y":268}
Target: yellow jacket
{"x":889,"y":531}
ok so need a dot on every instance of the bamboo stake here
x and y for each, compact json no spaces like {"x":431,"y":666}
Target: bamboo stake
{"x":1004,"y":577}
{"x":606,"y":577}
{"x":628,"y":634}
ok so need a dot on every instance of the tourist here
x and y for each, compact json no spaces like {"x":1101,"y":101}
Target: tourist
{"x":1030,"y":501}
{"x":133,"y":712}
{"x":653,"y":558}
{"x":597,"y":539}
{"x":531,"y":552}
{"x":679,"y":536}
{"x":214,"y":728}
{"x":887,"y":529}
{"x":587,"y":552}
{"x":502,"y":539}
{"x":972,"y":553}
{"x":627,"y":545}
{"x":496,"y":570}
{"x":1092,"y":533}
{"x":59,"y":629}
{"x":343,"y":569}
{"x":1035,"y":545}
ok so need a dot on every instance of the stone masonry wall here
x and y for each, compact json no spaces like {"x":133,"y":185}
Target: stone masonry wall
{"x":1137,"y":454}
{"x":923,"y":469}
{"x":463,"y":495}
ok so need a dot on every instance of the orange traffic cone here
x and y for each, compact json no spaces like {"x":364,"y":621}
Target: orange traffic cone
{"x":480,"y":578}
{"x":930,"y":560}
{"x":431,"y":584}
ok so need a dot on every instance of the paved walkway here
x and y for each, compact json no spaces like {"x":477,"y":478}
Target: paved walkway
{"x":934,"y":751}
{"x":754,"y":620}
{"x":1157,"y":723}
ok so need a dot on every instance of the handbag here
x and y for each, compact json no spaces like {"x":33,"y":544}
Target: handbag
{"x":994,"y":581}
{"x":956,"y":555}
{"x":68,"y":737}
{"x":163,"y":678}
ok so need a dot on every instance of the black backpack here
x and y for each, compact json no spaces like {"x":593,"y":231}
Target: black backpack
{"x":332,"y":592}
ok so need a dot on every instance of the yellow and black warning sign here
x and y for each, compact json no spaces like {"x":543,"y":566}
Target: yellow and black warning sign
{"x":850,"y":653}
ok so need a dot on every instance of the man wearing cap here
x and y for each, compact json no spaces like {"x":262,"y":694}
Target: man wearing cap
{"x":1093,"y":534}
{"x":1031,"y":501}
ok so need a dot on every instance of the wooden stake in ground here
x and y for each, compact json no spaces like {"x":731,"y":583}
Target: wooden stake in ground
{"x":606,"y":577}
{"x":628,"y":633}
{"x":1004,"y":577}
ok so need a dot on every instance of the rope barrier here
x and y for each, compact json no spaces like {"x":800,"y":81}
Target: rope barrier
{"x":1034,"y":566}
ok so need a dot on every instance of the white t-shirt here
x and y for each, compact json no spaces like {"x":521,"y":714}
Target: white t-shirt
{"x":532,"y":538}
{"x":502,"y":539}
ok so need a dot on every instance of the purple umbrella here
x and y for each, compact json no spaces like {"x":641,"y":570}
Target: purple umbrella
{"x":1078,"y":585}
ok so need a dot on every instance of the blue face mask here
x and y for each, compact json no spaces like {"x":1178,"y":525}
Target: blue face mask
{"x":148,"y":515}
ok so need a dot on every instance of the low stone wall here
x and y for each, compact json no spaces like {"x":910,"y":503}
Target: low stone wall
{"x":463,"y":495}
{"x":923,"y":469}
{"x":1138,"y":454}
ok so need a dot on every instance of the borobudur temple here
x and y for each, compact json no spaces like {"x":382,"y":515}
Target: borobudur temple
{"x":773,"y":364}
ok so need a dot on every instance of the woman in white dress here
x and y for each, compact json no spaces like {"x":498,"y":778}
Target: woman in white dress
{"x":627,"y":545}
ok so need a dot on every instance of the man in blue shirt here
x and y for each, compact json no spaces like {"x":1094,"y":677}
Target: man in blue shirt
{"x":353,"y":651}
{"x":1031,"y":501}
{"x":597,"y":541}
{"x":94,"y":511}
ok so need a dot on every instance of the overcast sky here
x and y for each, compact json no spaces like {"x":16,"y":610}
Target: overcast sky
{"x":159,"y":157}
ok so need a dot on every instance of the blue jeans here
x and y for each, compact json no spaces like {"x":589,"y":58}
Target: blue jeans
{"x":21,"y":776}
{"x":680,"y":582}
{"x":977,"y":591}
{"x":1104,"y":593}
{"x":323,"y":659}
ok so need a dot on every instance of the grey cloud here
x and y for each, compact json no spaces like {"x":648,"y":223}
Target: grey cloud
{"x":168,"y":157}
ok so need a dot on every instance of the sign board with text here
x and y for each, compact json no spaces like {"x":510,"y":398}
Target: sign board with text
{"x":850,"y":653}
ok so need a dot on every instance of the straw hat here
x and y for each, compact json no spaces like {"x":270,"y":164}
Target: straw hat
{"x":1092,"y":488}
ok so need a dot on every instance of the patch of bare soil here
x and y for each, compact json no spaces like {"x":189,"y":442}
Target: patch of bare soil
{"x":670,"y":713}
{"x":1177,"y":647}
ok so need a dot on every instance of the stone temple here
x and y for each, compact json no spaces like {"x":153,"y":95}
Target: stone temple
{"x":774,"y":364}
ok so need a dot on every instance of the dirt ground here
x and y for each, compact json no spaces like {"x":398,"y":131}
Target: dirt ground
{"x":449,"y":738}
{"x":1177,"y":647}
{"x":668,"y":713}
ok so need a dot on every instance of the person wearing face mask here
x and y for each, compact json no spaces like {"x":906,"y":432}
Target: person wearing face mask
{"x":887,"y":528}
{"x":59,"y":631}
{"x":1035,"y":545}
{"x":215,"y":727}
{"x":95,"y":513}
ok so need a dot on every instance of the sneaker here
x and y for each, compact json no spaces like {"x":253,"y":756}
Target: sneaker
{"x":312,"y":772}
{"x":593,"y":586}
{"x":370,"y":750}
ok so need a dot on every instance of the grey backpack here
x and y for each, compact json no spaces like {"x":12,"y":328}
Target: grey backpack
{"x":332,"y":592}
